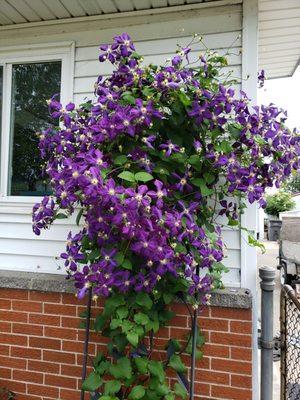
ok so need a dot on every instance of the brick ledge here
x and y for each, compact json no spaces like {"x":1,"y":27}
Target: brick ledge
{"x":228,"y":297}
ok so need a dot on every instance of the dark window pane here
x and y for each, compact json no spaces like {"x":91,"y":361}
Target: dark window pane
{"x":32,"y":85}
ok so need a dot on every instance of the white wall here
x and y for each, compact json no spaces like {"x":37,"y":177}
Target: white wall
{"x":158,"y":35}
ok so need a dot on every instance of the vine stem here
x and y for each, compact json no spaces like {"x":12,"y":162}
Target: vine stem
{"x":86,"y":340}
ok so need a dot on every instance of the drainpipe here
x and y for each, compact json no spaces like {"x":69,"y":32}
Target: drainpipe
{"x":267,"y":284}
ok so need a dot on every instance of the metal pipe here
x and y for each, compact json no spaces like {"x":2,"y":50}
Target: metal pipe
{"x":194,"y":344}
{"x":193,"y":360}
{"x":86,"y":339}
{"x":267,"y":284}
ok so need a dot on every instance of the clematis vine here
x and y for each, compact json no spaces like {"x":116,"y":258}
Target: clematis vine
{"x":154,"y":167}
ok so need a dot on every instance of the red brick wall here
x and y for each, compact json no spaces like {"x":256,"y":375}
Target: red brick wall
{"x":41,"y":347}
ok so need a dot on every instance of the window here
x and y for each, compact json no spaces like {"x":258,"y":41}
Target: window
{"x":29,"y":79}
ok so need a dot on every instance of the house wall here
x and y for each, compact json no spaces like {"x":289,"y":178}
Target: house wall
{"x":41,"y":346}
{"x":156,"y":37}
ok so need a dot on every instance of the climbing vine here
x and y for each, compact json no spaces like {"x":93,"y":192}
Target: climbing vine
{"x":154,"y":167}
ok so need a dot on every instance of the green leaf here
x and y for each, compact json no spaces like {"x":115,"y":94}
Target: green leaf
{"x":205,"y":191}
{"x":122,"y":312}
{"x":209,"y":178}
{"x":122,"y":369}
{"x":141,"y":318}
{"x":127,"y":176}
{"x":180,"y":390}
{"x":144,"y":300}
{"x":141,"y":364}
{"x":100,"y":322}
{"x":129,"y":99}
{"x":120,"y":160}
{"x":79,"y":215}
{"x":112,"y":387}
{"x":143,"y":177}
{"x":176,"y":363}
{"x":156,"y":369}
{"x":127,"y":264}
{"x":92,"y":382}
{"x":133,"y":338}
{"x":168,"y":297}
{"x":185,"y":100}
{"x":119,"y":258}
{"x":137,"y":392}
{"x":61,"y":216}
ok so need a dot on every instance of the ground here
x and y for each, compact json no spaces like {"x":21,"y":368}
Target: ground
{"x":269,"y":258}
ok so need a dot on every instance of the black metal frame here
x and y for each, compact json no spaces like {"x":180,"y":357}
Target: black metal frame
{"x":194,"y":333}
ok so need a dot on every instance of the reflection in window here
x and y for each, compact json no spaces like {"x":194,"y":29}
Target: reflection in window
{"x":32,"y":85}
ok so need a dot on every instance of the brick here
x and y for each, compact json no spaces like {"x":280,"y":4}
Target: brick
{"x":29,"y":397}
{"x":202,"y":388}
{"x":67,"y":394}
{"x":179,"y":320}
{"x":241,"y":327}
{"x":240,"y":353}
{"x":43,"y":297}
{"x":61,"y":381}
{"x":215,"y":324}
{"x":12,"y":362}
{"x":176,"y":333}
{"x":241,"y":381}
{"x":212,"y":377}
{"x":70,"y":298}
{"x":59,"y":357}
{"x":28,"y":329}
{"x":70,"y":322}
{"x":204,"y":362}
{"x":5,"y":326}
{"x":45,"y":343}
{"x":27,"y":306}
{"x":59,"y":309}
{"x":214,"y":350}
{"x":231,"y":339}
{"x":42,"y":319}
{"x":71,"y":370}
{"x":14,"y":386}
{"x":5,"y":304}
{"x":230,"y":393}
{"x":75,"y":347}
{"x":231,"y":366}
{"x":13,"y":316}
{"x":5,"y":373}
{"x":231,"y":313}
{"x":4,"y":349}
{"x":32,"y":377}
{"x":62,"y":333}
{"x":14,"y":294}
{"x":51,"y":392}
{"x":43,"y":366}
{"x":8,"y":338}
{"x":24,"y":352}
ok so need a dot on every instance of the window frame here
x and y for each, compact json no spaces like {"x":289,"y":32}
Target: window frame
{"x":64,"y":52}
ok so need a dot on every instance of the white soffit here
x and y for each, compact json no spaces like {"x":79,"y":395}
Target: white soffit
{"x":279,"y":37}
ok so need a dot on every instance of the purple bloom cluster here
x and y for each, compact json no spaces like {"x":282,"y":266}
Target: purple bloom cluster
{"x":142,"y":161}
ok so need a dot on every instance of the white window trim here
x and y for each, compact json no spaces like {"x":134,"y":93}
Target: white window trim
{"x":62,"y":51}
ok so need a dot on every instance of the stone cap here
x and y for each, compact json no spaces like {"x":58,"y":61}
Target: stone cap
{"x":228,"y":297}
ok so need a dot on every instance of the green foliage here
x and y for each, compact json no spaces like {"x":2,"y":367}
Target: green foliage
{"x":293,"y":184}
{"x":279,"y":202}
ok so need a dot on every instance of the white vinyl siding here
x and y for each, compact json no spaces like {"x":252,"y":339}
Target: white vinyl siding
{"x":221,"y":28}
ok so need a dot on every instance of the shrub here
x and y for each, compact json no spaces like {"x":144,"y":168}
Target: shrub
{"x":279,"y":202}
{"x":150,"y":164}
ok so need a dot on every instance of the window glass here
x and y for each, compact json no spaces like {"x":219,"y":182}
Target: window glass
{"x":32,"y":85}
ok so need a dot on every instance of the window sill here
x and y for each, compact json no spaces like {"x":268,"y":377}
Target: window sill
{"x":228,"y":297}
